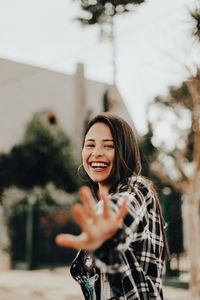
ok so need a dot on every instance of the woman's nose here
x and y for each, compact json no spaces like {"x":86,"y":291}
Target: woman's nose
{"x":98,"y":151}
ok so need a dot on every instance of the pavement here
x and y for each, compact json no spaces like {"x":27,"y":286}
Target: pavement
{"x":56,"y":284}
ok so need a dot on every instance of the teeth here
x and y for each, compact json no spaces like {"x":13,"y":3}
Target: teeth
{"x":98,"y":165}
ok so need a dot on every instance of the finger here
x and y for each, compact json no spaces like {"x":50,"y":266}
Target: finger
{"x":106,"y":210}
{"x":123,"y":209}
{"x":72,"y":241}
{"x":81,"y":216}
{"x":88,"y":200}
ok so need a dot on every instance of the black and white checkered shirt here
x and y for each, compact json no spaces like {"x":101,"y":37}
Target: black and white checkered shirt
{"x":133,"y":258}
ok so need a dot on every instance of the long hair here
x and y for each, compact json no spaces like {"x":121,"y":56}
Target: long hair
{"x":127,"y":157}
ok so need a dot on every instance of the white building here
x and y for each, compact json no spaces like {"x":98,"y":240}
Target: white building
{"x":25,"y":90}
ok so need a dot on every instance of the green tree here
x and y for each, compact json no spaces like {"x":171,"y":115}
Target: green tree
{"x":45,"y":155}
{"x":148,"y":152}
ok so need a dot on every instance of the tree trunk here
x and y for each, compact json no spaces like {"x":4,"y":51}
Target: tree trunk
{"x":194,"y":193}
{"x":194,"y":242}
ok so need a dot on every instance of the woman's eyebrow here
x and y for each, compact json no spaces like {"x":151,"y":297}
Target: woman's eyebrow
{"x":108,"y":140}
{"x":105,"y":140}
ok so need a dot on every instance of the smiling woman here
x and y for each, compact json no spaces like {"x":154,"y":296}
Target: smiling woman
{"x":122,"y":241}
{"x":98,"y":154}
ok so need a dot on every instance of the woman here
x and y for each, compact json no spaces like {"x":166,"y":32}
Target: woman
{"x":122,"y":241}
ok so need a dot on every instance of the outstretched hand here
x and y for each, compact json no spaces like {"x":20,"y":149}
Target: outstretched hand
{"x":96,"y":229}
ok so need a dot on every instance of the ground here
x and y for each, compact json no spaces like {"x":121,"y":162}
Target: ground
{"x":55,"y":284}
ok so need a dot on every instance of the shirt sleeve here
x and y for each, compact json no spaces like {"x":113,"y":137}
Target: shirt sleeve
{"x":109,"y":257}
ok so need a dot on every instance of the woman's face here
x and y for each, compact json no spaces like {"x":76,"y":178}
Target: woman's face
{"x":98,"y":154}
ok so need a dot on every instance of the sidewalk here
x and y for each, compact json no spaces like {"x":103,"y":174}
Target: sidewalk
{"x":54,"y":284}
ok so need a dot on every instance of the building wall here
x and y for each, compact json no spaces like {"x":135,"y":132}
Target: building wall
{"x":25,"y":90}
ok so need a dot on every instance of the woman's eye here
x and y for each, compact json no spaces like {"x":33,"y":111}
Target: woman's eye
{"x":109,"y":146}
{"x":89,"y":145}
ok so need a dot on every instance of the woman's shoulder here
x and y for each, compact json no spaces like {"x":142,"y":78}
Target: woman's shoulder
{"x":137,"y":189}
{"x":135,"y":183}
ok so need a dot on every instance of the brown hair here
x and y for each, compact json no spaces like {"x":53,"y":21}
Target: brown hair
{"x":127,"y":157}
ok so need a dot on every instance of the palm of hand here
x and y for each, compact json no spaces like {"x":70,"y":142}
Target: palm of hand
{"x":95,"y":229}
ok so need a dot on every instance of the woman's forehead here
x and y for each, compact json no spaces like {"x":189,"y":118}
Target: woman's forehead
{"x":99,"y":131}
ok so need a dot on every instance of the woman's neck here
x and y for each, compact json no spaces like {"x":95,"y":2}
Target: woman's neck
{"x":103,"y":190}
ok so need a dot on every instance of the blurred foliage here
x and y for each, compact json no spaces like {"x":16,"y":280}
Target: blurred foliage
{"x":148,"y":154}
{"x":178,"y":99}
{"x":45,"y":155}
{"x":196,"y":17}
{"x":100,"y":11}
{"x":50,"y":217}
{"x":171,"y":203}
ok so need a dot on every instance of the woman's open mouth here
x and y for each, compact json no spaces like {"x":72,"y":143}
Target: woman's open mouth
{"x":98,"y":166}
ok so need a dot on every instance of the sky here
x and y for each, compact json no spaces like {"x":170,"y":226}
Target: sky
{"x":154,"y":45}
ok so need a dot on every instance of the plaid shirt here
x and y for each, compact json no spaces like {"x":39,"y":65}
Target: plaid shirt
{"x":133,"y":259}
